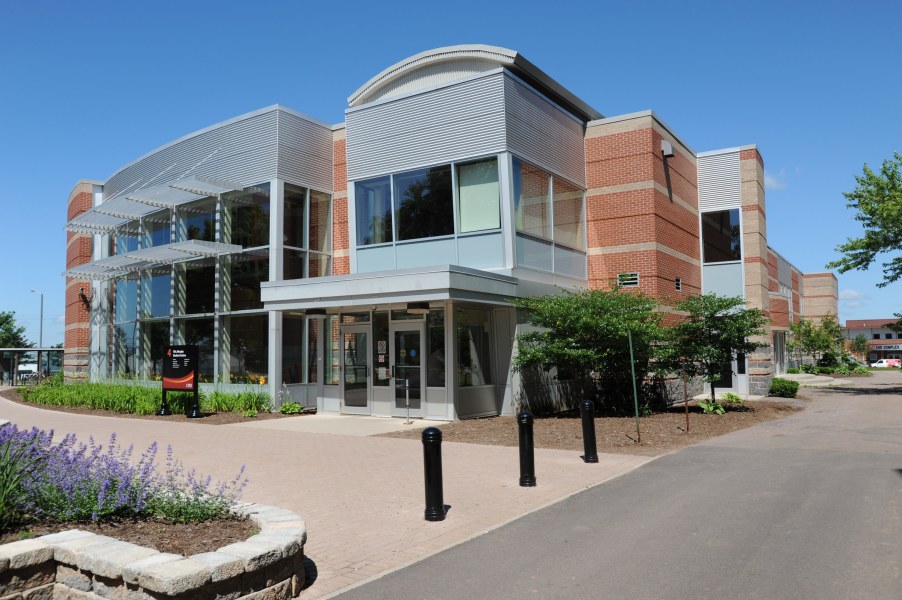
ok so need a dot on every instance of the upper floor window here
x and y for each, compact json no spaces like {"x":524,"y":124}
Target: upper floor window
{"x":421,"y":204}
{"x":720,"y":236}
{"x":424,"y":203}
{"x":478,"y":205}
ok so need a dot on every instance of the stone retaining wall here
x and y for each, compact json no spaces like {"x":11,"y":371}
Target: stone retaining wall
{"x":78,"y":565}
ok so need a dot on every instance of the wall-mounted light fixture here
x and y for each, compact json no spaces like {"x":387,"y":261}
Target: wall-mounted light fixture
{"x":85,"y":300}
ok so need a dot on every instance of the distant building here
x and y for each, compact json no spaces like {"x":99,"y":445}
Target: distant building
{"x":883,"y":342}
{"x":371,"y":263}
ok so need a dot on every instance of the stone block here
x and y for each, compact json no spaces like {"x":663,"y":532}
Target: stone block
{"x":63,"y":536}
{"x":109,"y":559}
{"x":132,"y":570}
{"x":17,"y":581}
{"x":174,"y":577}
{"x":107,"y":587}
{"x":254,"y":556}
{"x":73,"y":578}
{"x":222,"y":566}
{"x":68,"y":551}
{"x":280,"y":591}
{"x":25,"y":553}
{"x":61,"y":592}
{"x":287,"y":544}
{"x":45,"y":592}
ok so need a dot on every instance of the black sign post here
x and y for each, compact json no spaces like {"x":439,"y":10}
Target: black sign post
{"x":180,"y":374}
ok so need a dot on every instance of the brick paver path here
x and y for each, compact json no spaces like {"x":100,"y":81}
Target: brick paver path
{"x":362,"y":497}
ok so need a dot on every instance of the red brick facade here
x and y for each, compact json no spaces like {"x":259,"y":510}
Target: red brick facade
{"x":78,"y":317}
{"x":642,"y":216}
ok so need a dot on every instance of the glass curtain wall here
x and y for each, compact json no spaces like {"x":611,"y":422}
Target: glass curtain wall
{"x":421,"y":204}
{"x":187,"y":291}
{"x":550,"y":221}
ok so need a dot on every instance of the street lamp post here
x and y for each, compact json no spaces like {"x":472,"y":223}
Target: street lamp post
{"x":40,"y":329}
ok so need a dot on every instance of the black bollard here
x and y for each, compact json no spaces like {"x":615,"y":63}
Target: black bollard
{"x":432,"y":470}
{"x":527,"y":451}
{"x":587,"y":411}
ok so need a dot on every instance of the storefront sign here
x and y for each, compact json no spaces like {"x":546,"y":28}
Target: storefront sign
{"x":180,"y":369}
{"x":887,"y":347}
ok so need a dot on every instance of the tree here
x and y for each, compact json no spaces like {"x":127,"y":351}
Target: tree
{"x":716,"y":330}
{"x":822,"y":342}
{"x":859,"y":345}
{"x":12,"y":335}
{"x":584,"y":336}
{"x":877,"y":198}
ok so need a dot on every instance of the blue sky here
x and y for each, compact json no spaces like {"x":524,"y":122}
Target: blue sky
{"x":89,"y":86}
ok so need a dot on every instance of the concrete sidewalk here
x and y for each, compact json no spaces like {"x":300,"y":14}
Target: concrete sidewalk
{"x":362,"y":497}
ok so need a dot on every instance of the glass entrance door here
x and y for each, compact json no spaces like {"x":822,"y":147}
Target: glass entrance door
{"x":408,"y":370}
{"x":355,"y":370}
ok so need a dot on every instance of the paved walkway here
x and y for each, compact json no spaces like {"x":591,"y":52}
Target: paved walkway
{"x":362,"y":497}
{"x":807,"y":507}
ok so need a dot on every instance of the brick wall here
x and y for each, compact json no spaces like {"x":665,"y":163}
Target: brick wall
{"x":820,"y":295}
{"x":341,"y":261}
{"x":77,"y":340}
{"x":642,"y":214}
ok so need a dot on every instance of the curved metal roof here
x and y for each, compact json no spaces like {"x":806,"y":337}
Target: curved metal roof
{"x":490,"y":57}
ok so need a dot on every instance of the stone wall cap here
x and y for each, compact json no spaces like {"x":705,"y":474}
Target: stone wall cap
{"x":25,"y":553}
{"x":132,"y":570}
{"x":175,"y":577}
{"x":222,"y":566}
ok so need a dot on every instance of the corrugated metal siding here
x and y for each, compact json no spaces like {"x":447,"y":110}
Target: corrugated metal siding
{"x":432,"y":76}
{"x":543,"y":134}
{"x":243,"y":151}
{"x":719,"y":182}
{"x":305,"y":152}
{"x":442,"y":125}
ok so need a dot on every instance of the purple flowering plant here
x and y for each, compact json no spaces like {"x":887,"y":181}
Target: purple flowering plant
{"x":74,"y":481}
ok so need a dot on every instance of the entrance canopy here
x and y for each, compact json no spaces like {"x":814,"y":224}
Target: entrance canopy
{"x":446,"y":282}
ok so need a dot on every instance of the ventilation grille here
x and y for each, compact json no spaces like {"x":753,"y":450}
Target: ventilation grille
{"x":628,"y":280}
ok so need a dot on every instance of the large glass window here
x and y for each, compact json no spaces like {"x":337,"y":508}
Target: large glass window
{"x":155,"y":292}
{"x":320,"y":234}
{"x":199,"y":332}
{"x":125,"y":353}
{"x":246,"y":218}
{"x":156,"y":334}
{"x":200,"y":276}
{"x":532,"y":212}
{"x":294,"y":264}
{"x":720,"y":236}
{"x":295,"y":215}
{"x":374,"y":212}
{"x":126,"y":241}
{"x":246,"y":271}
{"x":293,"y":348}
{"x":478,"y":196}
{"x":198,"y":221}
{"x":126,"y":300}
{"x":473,"y":348}
{"x":424,"y":205}
{"x":248,"y":337}
{"x":569,"y":219}
{"x":157,"y":228}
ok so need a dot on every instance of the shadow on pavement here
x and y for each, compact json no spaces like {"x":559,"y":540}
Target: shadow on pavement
{"x":310,"y":572}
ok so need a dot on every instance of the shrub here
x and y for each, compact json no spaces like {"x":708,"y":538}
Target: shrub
{"x":711,"y":408}
{"x":783,"y":388}
{"x":842,"y":370}
{"x":861,"y":371}
{"x":821,"y":370}
{"x":141,"y":400}
{"x":291,"y":408}
{"x":792,"y":371}
{"x":810,"y":369}
{"x":72,"y":481}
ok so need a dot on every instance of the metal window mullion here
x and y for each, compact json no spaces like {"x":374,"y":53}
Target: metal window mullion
{"x":455,"y":199}
{"x":217,"y":296}
{"x":306,"y":234}
{"x":551,"y":218}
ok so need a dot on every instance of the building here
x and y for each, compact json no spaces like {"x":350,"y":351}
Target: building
{"x":367,"y":267}
{"x":883,"y":341}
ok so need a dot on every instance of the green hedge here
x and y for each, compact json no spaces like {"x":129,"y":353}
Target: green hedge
{"x":140,"y":400}
{"x":783,"y":388}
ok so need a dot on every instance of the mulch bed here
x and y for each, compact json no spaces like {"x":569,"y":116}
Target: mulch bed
{"x":662,"y":433}
{"x":178,"y":538}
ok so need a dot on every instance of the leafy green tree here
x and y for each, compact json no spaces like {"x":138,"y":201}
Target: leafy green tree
{"x":12,"y":335}
{"x":801,"y":340}
{"x":859,"y":345}
{"x":584,"y":336}
{"x":715,"y":331}
{"x":877,"y":198}
{"x":829,"y":341}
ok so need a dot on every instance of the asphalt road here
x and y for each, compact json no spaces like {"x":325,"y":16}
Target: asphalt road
{"x":803,"y":508}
